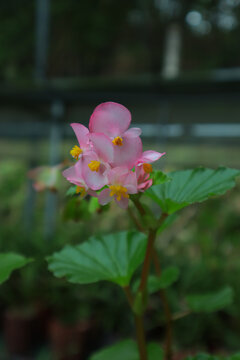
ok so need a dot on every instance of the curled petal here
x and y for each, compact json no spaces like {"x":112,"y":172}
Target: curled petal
{"x":103,"y":146}
{"x":104,"y":197}
{"x":110,"y":118}
{"x":81,"y":133}
{"x":127,"y":154}
{"x":149,"y":157}
{"x":133,"y":132}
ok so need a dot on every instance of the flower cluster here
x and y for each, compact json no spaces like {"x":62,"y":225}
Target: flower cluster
{"x":110,"y":161}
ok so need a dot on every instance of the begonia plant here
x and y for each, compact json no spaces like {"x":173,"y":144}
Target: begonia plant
{"x":110,"y":165}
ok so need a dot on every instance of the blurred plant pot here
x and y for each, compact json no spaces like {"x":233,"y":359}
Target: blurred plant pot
{"x":69,"y":342}
{"x":19,"y":330}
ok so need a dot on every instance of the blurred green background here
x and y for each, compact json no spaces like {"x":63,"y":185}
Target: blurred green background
{"x":176,"y":66}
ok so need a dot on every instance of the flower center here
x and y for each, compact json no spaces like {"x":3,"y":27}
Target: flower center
{"x":80,"y":190}
{"x":118,"y":141}
{"x":75,"y":152}
{"x":147,"y":168}
{"x":94,"y":165}
{"x":119,"y":191}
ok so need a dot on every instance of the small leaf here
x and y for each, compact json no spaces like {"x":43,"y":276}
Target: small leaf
{"x":112,"y":257}
{"x":212,"y":301}
{"x":127,"y":350}
{"x":71,"y":191}
{"x":10,"y":262}
{"x":93,"y":205}
{"x":160,"y":177}
{"x":155,"y":283}
{"x":191,"y":186}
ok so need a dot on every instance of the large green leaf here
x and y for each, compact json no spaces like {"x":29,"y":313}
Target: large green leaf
{"x":10,"y":262}
{"x":191,"y":186}
{"x":212,"y":301}
{"x":112,"y":257}
{"x":155,"y":283}
{"x":127,"y":350}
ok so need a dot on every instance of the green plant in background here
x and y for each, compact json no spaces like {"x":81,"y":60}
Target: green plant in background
{"x":110,"y":165}
{"x":10,"y":262}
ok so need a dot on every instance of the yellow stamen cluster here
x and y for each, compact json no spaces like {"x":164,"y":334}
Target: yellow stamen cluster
{"x":80,"y":190}
{"x":147,"y":168}
{"x":118,"y":141}
{"x":119,"y":191}
{"x":75,"y":152}
{"x":94,"y":165}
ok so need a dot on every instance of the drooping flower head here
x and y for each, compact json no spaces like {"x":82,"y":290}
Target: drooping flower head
{"x":109,"y":156}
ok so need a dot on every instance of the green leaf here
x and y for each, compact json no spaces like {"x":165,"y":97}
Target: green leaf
{"x":10,"y":262}
{"x":71,"y":191}
{"x":93,"y":205}
{"x":191,"y":186}
{"x":112,"y":257}
{"x":160,"y":177}
{"x":155,"y":283}
{"x":127,"y":350}
{"x":212,"y":301}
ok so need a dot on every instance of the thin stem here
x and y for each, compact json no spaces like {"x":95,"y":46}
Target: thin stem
{"x":135,"y":220}
{"x":142,"y":348}
{"x":147,"y":260}
{"x":141,"y":341}
{"x":148,"y":257}
{"x":139,"y":206}
{"x":129,"y":295}
{"x":167,"y":312}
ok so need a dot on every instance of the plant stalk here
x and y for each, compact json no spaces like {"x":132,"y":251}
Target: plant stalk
{"x":141,"y":341}
{"x":142,"y":348}
{"x":167,"y":312}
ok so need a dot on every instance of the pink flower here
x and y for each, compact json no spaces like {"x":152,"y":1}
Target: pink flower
{"x":82,"y":134}
{"x":113,"y":120}
{"x":96,"y":162}
{"x":122,"y":182}
{"x":74,"y":176}
{"x":143,"y":179}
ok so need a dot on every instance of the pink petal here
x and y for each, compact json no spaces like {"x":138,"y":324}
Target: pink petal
{"x":130,"y":182}
{"x":110,"y":118}
{"x":94,"y":180}
{"x":123,"y":203}
{"x":127,"y":154}
{"x":73,"y":176}
{"x":104,"y":197}
{"x":81,"y":133}
{"x":149,"y":157}
{"x":145,"y":185}
{"x":117,"y":175}
{"x":103,"y":146}
{"x":133,"y":132}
